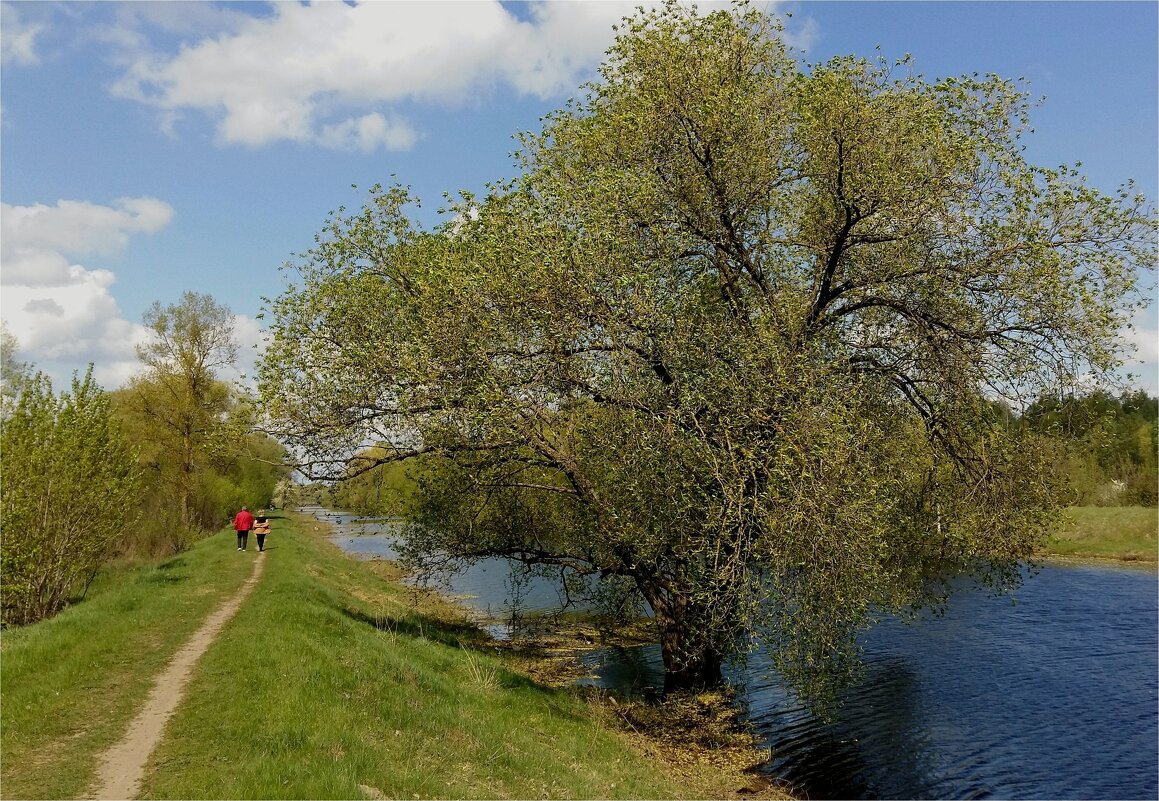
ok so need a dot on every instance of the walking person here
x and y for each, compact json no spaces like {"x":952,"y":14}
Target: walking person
{"x":242,"y":525}
{"x":262,"y":527}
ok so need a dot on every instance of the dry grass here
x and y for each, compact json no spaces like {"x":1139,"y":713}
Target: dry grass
{"x":698,"y":737}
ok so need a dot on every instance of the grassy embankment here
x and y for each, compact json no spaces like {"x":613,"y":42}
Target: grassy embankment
{"x":1117,"y":532}
{"x":333,"y":681}
{"x":70,"y":685}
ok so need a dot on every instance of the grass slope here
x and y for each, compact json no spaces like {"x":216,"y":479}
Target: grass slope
{"x":335,"y":683}
{"x":331,"y":682}
{"x":70,"y":685}
{"x":1120,"y":532}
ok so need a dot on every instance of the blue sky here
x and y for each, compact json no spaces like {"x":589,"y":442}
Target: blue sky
{"x":151,"y":148}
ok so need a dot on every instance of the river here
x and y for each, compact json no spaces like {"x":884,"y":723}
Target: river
{"x":1052,"y":697}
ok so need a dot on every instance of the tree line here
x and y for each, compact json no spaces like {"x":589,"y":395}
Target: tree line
{"x":139,"y":472}
{"x":1105,"y":446}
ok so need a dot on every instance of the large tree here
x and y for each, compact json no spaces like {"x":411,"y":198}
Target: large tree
{"x":193,"y":433}
{"x":179,"y":395}
{"x":733,"y":337}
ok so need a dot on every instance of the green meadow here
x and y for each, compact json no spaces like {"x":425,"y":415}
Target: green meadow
{"x":1117,"y":532}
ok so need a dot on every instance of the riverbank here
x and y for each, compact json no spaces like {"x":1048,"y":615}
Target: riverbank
{"x":1073,"y":625}
{"x":1125,"y":533}
{"x":334,"y":680}
{"x":696,"y":740}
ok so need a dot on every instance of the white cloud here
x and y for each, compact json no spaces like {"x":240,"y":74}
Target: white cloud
{"x":69,"y":326}
{"x":331,"y":74}
{"x":1144,"y":336}
{"x":34,"y":240}
{"x":63,"y":314}
{"x":367,"y":133}
{"x":17,"y":37}
{"x":250,"y":337}
{"x":802,"y":33}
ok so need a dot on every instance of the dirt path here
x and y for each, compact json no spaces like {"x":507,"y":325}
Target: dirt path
{"x":123,"y":765}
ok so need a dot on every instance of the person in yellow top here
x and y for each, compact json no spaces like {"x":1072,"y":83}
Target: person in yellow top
{"x":261,"y":528}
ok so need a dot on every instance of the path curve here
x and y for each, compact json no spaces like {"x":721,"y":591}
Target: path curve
{"x":123,"y":765}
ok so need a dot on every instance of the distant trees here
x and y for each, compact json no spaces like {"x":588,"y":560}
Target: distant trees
{"x":731,"y":338}
{"x":201,"y":458}
{"x":1107,"y":445}
{"x":179,"y":397}
{"x":285,"y":494}
{"x":70,"y":494}
{"x":386,"y":489}
{"x":189,"y":492}
{"x":142,"y":470}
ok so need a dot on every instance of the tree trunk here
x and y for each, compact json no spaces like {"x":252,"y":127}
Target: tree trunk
{"x":691,"y":650}
{"x":689,"y":663}
{"x":186,"y":478}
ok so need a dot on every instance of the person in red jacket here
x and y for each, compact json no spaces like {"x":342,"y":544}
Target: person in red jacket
{"x":242,"y":525}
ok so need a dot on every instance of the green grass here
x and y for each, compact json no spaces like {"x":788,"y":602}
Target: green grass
{"x":70,"y":685}
{"x":332,"y":679}
{"x":1120,"y":532}
{"x":330,"y":682}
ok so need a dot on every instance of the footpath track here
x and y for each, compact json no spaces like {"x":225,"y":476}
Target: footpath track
{"x":122,"y":766}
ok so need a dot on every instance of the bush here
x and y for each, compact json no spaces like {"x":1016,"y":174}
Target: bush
{"x":71,"y":490}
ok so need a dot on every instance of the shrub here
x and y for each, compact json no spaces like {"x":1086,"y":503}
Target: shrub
{"x":71,"y":489}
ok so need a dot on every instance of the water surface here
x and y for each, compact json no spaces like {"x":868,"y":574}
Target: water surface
{"x":1055,"y":697}
{"x":499,"y":590}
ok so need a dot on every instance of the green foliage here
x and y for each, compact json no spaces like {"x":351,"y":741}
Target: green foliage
{"x":229,"y":467}
{"x":728,"y":337}
{"x":254,"y":465}
{"x":180,"y":397}
{"x":195,"y":441}
{"x":70,"y":494}
{"x":383,"y":490}
{"x":1107,"y":445}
